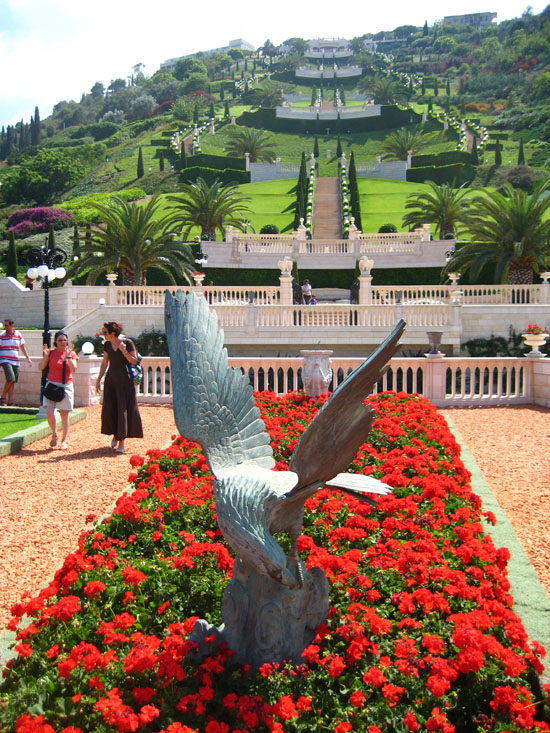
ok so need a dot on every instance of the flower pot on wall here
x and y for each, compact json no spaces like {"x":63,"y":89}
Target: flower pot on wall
{"x":535,"y":341}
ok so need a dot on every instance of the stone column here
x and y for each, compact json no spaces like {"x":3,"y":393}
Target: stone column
{"x":84,"y":380}
{"x":285,"y":279}
{"x":365,"y":281}
{"x":545,"y":288}
{"x":434,"y":380}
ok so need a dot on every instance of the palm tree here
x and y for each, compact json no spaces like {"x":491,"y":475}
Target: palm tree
{"x":132,"y":239}
{"x":210,"y":207}
{"x":441,"y":205}
{"x":269,"y":94}
{"x":509,"y":227}
{"x":256,"y":143}
{"x":383,"y":89}
{"x":399,"y":143}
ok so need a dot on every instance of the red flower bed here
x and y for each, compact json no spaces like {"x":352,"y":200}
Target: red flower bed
{"x":421,"y":634}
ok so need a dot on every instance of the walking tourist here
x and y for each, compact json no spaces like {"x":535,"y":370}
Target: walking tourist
{"x":10,"y":343}
{"x":307,"y":292}
{"x":61,"y":362}
{"x":119,"y":415}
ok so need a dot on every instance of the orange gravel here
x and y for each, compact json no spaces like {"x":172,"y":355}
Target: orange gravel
{"x":47,"y":494}
{"x":511,"y":446}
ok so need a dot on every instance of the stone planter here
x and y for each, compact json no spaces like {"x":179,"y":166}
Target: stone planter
{"x":535,"y":341}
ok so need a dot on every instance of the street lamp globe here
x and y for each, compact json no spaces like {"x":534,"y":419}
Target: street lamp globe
{"x":87,"y":348}
{"x":51,"y":274}
{"x":43,"y":270}
{"x":60,"y":272}
{"x":32,"y":273}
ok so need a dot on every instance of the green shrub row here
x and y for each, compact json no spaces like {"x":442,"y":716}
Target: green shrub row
{"x":217,"y":162}
{"x":456,"y":174}
{"x":449,"y":157}
{"x":228,"y":175}
{"x":390,"y":117}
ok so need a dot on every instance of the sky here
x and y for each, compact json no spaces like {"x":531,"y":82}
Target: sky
{"x":51,"y":50}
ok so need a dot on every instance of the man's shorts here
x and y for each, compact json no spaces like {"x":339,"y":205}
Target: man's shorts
{"x":11,"y":371}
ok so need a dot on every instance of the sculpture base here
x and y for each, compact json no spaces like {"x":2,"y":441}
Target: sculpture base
{"x":265,"y":621}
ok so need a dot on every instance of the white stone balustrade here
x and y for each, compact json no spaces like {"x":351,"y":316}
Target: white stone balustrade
{"x":445,"y":381}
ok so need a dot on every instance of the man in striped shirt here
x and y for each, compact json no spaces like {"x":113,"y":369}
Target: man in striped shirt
{"x":10,"y":343}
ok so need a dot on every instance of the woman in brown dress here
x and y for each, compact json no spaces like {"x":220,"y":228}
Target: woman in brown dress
{"x":119,"y":415}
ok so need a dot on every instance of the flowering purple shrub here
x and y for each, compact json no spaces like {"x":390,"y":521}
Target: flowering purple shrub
{"x":25,"y":222}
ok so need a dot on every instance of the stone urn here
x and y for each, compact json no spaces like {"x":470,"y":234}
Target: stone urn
{"x":434,"y":339}
{"x":535,"y":341}
{"x":316,"y":371}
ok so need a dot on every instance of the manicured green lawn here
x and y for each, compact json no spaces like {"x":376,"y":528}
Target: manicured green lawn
{"x":12,"y":422}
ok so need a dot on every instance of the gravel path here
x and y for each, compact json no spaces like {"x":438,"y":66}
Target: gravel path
{"x":47,"y":494}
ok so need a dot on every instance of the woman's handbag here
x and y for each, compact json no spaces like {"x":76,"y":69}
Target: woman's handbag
{"x":56,"y":392}
{"x":135,"y":372}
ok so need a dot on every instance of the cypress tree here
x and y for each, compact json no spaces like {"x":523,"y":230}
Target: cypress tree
{"x":234,"y":92}
{"x":430,"y":106}
{"x":161,"y":161}
{"x":222,"y":93}
{"x":423,"y":87}
{"x":195,"y":114}
{"x":461,"y":85}
{"x":76,"y":242}
{"x":246,"y":87}
{"x":183,"y":157}
{"x":38,"y":132}
{"x":226,"y":109}
{"x":436,"y":87}
{"x":339,"y":150}
{"x":212,"y":111}
{"x":316,"y":147}
{"x":11,"y":259}
{"x":498,"y":154}
{"x":51,"y":237}
{"x":425,"y":28}
{"x":140,"y":168}
{"x":246,"y":64}
{"x":521,"y":153}
{"x":448,"y":88}
{"x":475,"y":156}
{"x":21,"y":135}
{"x":447,"y":105}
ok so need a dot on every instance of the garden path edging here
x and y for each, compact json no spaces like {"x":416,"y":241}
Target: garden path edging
{"x":15,"y":441}
{"x":531,"y":603}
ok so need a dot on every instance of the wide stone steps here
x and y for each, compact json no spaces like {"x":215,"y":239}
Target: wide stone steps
{"x":327,"y":214}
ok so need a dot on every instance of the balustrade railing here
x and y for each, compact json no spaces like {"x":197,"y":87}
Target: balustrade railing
{"x":445,"y":381}
{"x":216,"y":295}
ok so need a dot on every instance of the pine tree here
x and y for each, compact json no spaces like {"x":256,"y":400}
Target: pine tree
{"x":316,"y":148}
{"x":161,"y":161}
{"x":11,"y":259}
{"x":140,"y":168}
{"x":521,"y":153}
{"x":339,"y":150}
{"x":474,"y":154}
{"x":498,"y":154}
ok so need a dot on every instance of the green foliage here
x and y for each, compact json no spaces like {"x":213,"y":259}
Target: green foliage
{"x":41,"y":178}
{"x":217,"y":162}
{"x":387,"y":229}
{"x":152,"y":343}
{"x":132,"y":238}
{"x":210,"y":206}
{"x":258,"y":144}
{"x":269,"y":229}
{"x":84,"y":208}
{"x":440,"y":205}
{"x":457,"y":174}
{"x":512,"y":230}
{"x":398,"y":144}
{"x":496,"y":346}
{"x":228,"y":176}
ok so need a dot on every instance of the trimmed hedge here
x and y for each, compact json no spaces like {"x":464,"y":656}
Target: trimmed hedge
{"x":390,"y":117}
{"x":450,"y":157}
{"x":228,"y":175}
{"x":217,"y":162}
{"x":456,"y":174}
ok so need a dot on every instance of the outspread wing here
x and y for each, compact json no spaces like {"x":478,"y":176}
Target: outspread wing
{"x":213,"y":403}
{"x":335,"y":434}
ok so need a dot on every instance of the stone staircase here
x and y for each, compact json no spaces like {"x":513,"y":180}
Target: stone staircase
{"x":327,"y":214}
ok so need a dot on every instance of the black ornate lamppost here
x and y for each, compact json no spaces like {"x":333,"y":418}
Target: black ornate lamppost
{"x":46,"y":262}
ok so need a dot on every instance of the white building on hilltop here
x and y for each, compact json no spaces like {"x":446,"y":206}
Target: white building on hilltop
{"x":240,"y":43}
